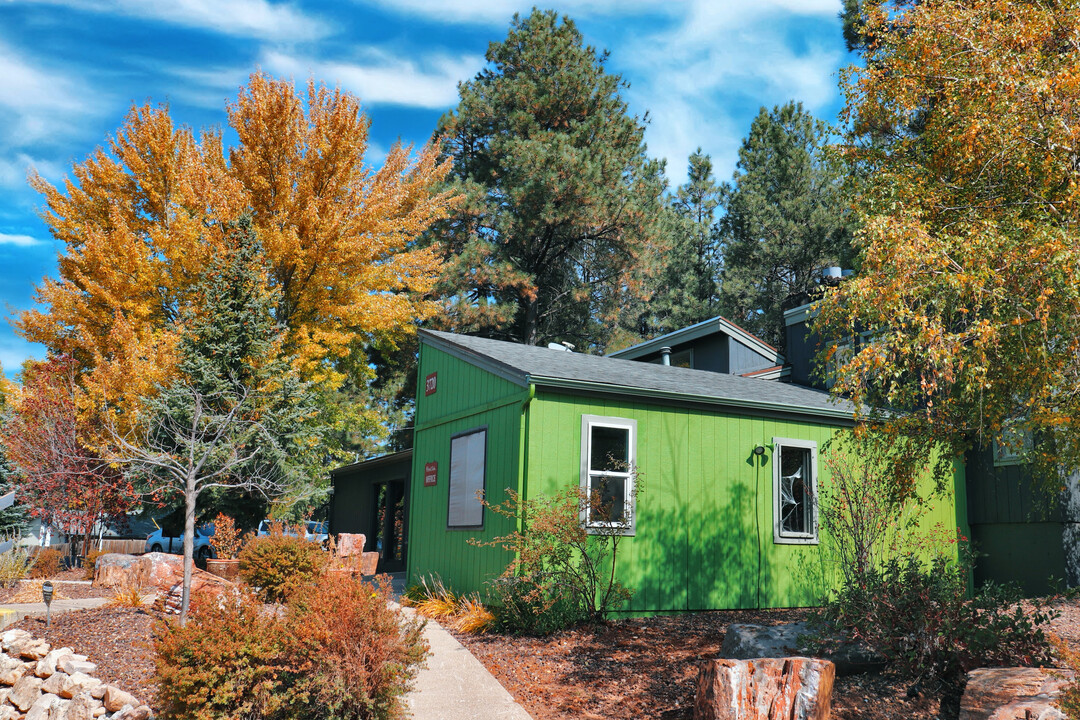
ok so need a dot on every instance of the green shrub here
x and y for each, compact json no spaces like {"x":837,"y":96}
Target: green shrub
{"x":46,"y":563}
{"x":919,"y":617}
{"x":276,"y":564}
{"x":339,"y":652}
{"x":527,"y":608}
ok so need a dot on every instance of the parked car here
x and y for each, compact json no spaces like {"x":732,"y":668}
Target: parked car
{"x":316,"y":530}
{"x":157,"y":541}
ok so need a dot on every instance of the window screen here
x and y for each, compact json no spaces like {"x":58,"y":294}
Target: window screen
{"x":467,"y":455}
{"x":607,"y":450}
{"x":794,"y":489}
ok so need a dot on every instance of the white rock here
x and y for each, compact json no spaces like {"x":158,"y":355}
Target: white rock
{"x":25,"y":692}
{"x":115,"y":698}
{"x":11,"y":670}
{"x":79,"y":683}
{"x":47,"y":665}
{"x":71,"y":666}
{"x":55,"y":683}
{"x":42,"y":707}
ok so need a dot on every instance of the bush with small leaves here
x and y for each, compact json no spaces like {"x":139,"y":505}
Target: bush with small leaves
{"x":47,"y":562}
{"x":278,"y":563}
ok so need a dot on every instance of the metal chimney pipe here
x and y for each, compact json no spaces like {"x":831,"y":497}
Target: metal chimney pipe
{"x":665,"y":356}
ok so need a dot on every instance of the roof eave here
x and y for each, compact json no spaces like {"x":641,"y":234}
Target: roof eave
{"x":598,"y":387}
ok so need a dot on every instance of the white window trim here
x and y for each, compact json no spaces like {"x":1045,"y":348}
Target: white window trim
{"x":780,"y":537}
{"x":587,"y":423}
{"x":1006,"y":455}
{"x":450,"y":481}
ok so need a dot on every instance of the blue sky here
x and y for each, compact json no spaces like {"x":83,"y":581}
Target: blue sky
{"x":70,"y":70}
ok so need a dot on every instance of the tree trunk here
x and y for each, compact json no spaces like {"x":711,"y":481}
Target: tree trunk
{"x":531,"y":332}
{"x":189,"y":546}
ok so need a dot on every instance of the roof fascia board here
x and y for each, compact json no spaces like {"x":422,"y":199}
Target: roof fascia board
{"x":754,"y":343}
{"x":799,"y":314}
{"x":607,"y":388}
{"x":696,"y":402}
{"x":483,"y":362}
{"x":372,"y":462}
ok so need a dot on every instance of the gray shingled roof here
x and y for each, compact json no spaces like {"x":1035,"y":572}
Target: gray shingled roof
{"x":526,"y":364}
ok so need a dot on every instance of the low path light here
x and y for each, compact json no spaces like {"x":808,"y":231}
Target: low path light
{"x":46,"y":594}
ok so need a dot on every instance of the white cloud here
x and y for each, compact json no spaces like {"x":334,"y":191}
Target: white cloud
{"x":13,"y":170}
{"x":379,"y":77}
{"x":18,"y":240}
{"x":14,"y":351}
{"x":683,"y":73}
{"x":35,"y":102}
{"x":259,"y":19}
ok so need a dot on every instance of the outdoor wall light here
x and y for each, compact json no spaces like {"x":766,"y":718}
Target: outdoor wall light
{"x":759,"y":450}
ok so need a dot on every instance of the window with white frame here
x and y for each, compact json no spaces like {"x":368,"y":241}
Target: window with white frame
{"x":467,"y":459}
{"x":1013,"y":447}
{"x":608,"y":448}
{"x":794,"y":491}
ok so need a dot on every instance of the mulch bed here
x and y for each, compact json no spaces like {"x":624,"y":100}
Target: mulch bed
{"x":63,"y":584}
{"x":635,"y":668}
{"x":117,"y":639}
{"x":647,"y":668}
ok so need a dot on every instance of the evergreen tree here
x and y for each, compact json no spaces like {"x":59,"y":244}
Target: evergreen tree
{"x":561,"y":200}
{"x":784,"y":219}
{"x":16,"y":516}
{"x":687,"y":290}
{"x":237,"y":418}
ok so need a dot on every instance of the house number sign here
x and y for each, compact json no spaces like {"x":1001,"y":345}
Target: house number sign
{"x":431,"y":473}
{"x":431,"y":383}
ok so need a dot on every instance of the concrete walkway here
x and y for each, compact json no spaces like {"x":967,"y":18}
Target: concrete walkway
{"x":11,"y":613}
{"x":455,"y":686}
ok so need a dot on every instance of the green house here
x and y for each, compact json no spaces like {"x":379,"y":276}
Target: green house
{"x":727,"y":466}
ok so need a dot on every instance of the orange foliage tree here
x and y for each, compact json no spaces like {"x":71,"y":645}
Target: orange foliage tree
{"x":965,"y":138}
{"x":142,"y":219}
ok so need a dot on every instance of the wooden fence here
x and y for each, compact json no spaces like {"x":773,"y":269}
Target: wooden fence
{"x":111,"y":545}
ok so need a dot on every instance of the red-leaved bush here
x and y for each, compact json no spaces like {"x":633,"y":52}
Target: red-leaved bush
{"x":338,"y":651}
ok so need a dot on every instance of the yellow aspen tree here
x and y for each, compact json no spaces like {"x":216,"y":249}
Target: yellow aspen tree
{"x":141,"y":220}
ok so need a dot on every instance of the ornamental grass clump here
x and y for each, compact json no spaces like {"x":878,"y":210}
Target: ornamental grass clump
{"x":14,"y":566}
{"x":278,"y":563}
{"x":338,"y":651}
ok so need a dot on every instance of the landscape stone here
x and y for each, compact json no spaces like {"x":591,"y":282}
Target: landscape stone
{"x":139,"y":713}
{"x":744,"y":641}
{"x":25,"y":692}
{"x":55,"y":683}
{"x":350,"y":544}
{"x":34,"y":649}
{"x":115,"y":698}
{"x":82,"y":707}
{"x":15,"y":634}
{"x":116,"y":569}
{"x":79,"y":683}
{"x":47,"y":665}
{"x":42,"y":707}
{"x":10,"y":669}
{"x":1008,"y":693}
{"x":794,"y":688}
{"x":98,"y":691}
{"x":8,"y":712}
{"x":78,"y":666}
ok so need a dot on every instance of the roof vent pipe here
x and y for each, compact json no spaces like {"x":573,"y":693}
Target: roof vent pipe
{"x":665,"y":356}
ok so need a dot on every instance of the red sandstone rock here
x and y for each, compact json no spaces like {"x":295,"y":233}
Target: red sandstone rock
{"x":795,"y":688}
{"x":350,"y":544}
{"x":1007,"y":693}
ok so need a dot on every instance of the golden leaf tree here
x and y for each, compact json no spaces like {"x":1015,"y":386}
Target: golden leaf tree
{"x":965,"y":139}
{"x":141,"y":220}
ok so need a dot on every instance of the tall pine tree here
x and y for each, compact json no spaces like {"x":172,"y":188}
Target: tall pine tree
{"x":784,"y":219}
{"x":561,"y":198}
{"x":688,"y":290}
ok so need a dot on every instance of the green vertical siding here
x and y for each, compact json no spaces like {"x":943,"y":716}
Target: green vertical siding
{"x":704,"y":535}
{"x":467,"y":398}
